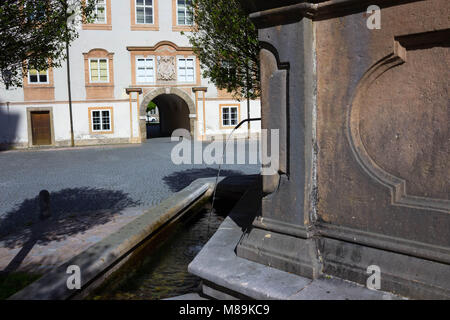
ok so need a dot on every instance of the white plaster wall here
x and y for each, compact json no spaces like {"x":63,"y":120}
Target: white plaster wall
{"x":121,"y":121}
{"x":61,"y":122}
{"x":213,"y":116}
{"x":13,"y":121}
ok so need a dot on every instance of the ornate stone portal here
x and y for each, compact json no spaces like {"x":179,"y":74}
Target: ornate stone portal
{"x":363,"y":119}
{"x":165,"y":54}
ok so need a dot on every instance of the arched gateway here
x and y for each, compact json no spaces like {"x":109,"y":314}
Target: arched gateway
{"x":175,"y":107}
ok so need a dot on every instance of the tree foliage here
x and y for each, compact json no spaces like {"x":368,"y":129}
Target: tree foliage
{"x":33,"y":33}
{"x":151,"y":105}
{"x":226,"y":43}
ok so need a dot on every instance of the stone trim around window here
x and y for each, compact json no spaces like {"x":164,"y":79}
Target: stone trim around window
{"x":101,"y":26}
{"x":177,"y":66}
{"x":111,"y":119}
{"x":39,"y":91}
{"x":99,"y":90}
{"x":175,"y":26}
{"x":238,"y":105}
{"x":153,"y":58}
{"x":144,"y":26}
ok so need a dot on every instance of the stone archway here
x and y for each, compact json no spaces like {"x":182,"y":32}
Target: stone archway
{"x":149,"y":96}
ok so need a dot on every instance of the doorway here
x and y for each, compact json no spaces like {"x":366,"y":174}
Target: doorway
{"x":41,"y":128}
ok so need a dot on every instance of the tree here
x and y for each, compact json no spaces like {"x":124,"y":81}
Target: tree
{"x":151,"y":106}
{"x":226,"y":43}
{"x":34,"y":34}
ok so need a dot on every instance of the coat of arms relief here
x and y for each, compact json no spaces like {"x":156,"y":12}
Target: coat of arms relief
{"x":166,"y":68}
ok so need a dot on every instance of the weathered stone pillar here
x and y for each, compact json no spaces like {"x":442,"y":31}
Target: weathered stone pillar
{"x":363,"y":179}
{"x":281,"y":236}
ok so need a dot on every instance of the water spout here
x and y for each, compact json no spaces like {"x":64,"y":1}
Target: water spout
{"x":220,"y":164}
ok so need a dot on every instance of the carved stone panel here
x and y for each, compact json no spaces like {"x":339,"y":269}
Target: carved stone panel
{"x":166,"y":68}
{"x":382,"y":129}
{"x":398,"y":122}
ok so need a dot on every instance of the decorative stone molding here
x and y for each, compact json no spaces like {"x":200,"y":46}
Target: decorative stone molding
{"x":144,"y":26}
{"x":396,"y":185}
{"x":169,"y":90}
{"x":99,"y":90}
{"x":165,"y":53}
{"x":101,"y":26}
{"x":39,"y":91}
{"x":111,"y":119}
{"x":149,"y":96}
{"x":271,"y":13}
{"x":175,"y":26}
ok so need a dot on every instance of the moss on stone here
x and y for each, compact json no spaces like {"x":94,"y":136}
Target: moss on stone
{"x":14,"y":282}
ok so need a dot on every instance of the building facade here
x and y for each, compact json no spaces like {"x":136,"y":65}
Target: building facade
{"x":131,"y":55}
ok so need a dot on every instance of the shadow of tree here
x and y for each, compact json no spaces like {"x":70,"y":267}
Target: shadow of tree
{"x":74,"y":210}
{"x":181,"y":179}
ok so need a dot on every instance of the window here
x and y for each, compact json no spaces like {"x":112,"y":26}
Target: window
{"x":98,"y":70}
{"x":186,"y":69}
{"x":100,"y":11}
{"x":100,"y":19}
{"x":184,"y":14}
{"x":35,"y":76}
{"x":99,"y":74}
{"x":144,"y":11}
{"x":229,"y":116}
{"x":145,"y":70}
{"x":101,"y":120}
{"x":38,"y":84}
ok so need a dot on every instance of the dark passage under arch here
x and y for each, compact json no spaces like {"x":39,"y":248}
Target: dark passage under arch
{"x":173,"y":114}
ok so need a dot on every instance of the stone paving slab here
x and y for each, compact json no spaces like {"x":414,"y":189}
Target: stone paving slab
{"x":94,"y":192}
{"x":45,"y":256}
{"x":143,"y":175}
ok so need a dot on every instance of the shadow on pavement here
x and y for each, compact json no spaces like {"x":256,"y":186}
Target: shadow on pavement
{"x":73,"y":210}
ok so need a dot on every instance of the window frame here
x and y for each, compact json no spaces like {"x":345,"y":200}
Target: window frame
{"x":229,"y":106}
{"x":144,"y":6}
{"x":154,"y":68}
{"x":105,"y":13}
{"x":193,"y":68}
{"x":107,"y":70}
{"x":39,"y":82}
{"x":91,"y":120}
{"x":185,"y":15}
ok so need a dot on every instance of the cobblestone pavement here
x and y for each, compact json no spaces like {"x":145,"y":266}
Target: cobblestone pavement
{"x":94,"y":191}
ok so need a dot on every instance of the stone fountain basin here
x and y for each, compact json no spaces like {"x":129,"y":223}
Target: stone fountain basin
{"x":97,"y":262}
